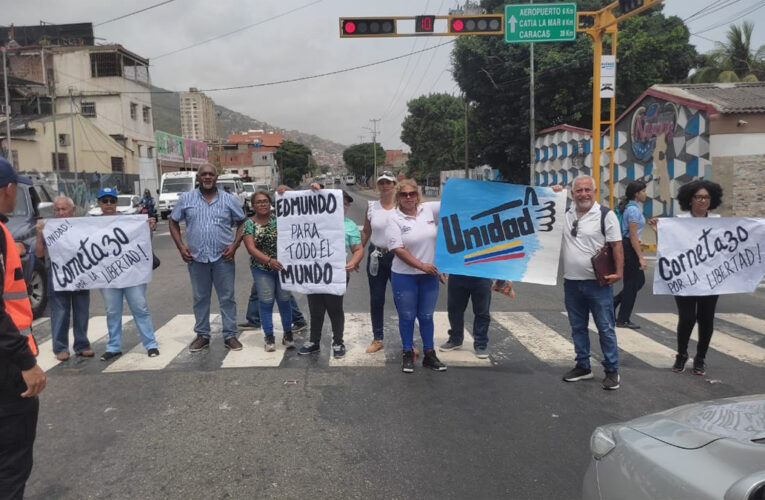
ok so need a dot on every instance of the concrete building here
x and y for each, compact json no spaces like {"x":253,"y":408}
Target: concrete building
{"x":198,"y":119}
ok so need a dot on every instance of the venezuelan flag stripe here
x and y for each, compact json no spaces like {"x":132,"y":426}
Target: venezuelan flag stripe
{"x":493,"y":259}
{"x":494,"y":249}
{"x":518,"y":249}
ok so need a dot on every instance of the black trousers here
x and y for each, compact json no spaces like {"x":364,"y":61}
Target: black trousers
{"x":634,"y":279}
{"x":692,"y":310}
{"x":17,"y":439}
{"x":318,"y":304}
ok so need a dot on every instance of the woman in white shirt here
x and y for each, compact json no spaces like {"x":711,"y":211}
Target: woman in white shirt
{"x":412,"y":239}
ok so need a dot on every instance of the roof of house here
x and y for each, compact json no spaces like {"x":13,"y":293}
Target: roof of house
{"x":726,"y":98}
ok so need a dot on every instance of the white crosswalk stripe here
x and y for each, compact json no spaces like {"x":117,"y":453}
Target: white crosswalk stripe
{"x":547,"y":344}
{"x":721,"y":340}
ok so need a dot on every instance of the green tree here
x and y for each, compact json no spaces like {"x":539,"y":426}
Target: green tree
{"x":295,"y":161}
{"x":495,"y":76}
{"x":434,"y":129}
{"x":360,"y":158}
{"x":732,"y":60}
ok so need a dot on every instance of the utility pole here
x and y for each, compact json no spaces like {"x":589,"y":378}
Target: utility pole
{"x":9,"y":154}
{"x":374,"y":143}
{"x":467,"y":166}
{"x":532,"y":125}
{"x":74,"y":144}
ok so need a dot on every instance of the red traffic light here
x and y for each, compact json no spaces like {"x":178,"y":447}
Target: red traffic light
{"x":349,"y":27}
{"x":485,"y":24}
{"x":355,"y":27}
{"x":458,"y":25}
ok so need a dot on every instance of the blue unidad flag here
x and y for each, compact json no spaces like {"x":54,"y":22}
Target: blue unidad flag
{"x":502,"y":231}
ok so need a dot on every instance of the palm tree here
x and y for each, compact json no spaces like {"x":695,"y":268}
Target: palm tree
{"x":732,"y":60}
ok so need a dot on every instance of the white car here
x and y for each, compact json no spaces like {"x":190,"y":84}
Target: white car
{"x":127,"y":204}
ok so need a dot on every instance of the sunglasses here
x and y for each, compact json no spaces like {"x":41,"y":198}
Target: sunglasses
{"x":701,"y":197}
{"x":408,"y":194}
{"x":574,"y":228}
{"x":108,"y":201}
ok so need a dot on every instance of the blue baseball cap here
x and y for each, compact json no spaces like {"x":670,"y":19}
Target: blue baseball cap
{"x":107,"y":191}
{"x":7,"y":173}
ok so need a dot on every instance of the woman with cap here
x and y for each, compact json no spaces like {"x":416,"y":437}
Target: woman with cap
{"x":632,"y":224}
{"x":380,"y":259}
{"x":318,"y":303}
{"x":134,"y":295}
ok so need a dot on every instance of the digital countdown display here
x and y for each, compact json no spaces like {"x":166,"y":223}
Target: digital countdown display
{"x":424,"y":24}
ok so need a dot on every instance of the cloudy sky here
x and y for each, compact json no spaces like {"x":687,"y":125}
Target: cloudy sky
{"x":278,"y":40}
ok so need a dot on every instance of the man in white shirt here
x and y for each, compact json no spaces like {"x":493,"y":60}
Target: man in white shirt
{"x":587,"y":229}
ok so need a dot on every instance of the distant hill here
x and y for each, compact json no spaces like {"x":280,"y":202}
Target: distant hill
{"x":167,"y":117}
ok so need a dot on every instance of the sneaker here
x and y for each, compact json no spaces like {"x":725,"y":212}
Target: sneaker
{"x":577,"y":373}
{"x":288,"y":341}
{"x":199,"y":343}
{"x":338,"y":351}
{"x":376,"y":345}
{"x":108,"y":356}
{"x":699,"y":367}
{"x":233,"y":344}
{"x":611,"y":381}
{"x":430,"y":360}
{"x":270,"y":343}
{"x":450,"y":345}
{"x":680,"y":360}
{"x":481,"y":352}
{"x":62,"y":356}
{"x":310,"y":348}
{"x":627,"y":324}
{"x":407,"y":366}
{"x":153,"y":352}
{"x":299,"y":327}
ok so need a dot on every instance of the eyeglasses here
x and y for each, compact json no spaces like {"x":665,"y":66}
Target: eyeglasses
{"x":408,"y":194}
{"x":108,"y":201}
{"x":574,"y":227}
{"x":701,"y":197}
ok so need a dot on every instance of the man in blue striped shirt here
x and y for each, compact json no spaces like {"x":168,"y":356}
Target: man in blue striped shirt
{"x":210,"y":216}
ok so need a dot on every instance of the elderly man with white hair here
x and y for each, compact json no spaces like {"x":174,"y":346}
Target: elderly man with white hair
{"x":62,"y":303}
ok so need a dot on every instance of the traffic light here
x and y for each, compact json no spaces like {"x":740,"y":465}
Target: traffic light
{"x":484,"y":24}
{"x":371,"y":27}
{"x":629,"y":5}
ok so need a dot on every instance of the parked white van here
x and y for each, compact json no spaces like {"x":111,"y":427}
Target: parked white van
{"x":172,"y":185}
{"x":234,"y":185}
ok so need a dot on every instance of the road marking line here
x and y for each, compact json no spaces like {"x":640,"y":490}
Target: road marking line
{"x":173,"y":337}
{"x":97,"y":324}
{"x":356,"y":337}
{"x":721,"y":341}
{"x":747,"y":321}
{"x":253,"y":352}
{"x":464,"y":356}
{"x":543,"y":342}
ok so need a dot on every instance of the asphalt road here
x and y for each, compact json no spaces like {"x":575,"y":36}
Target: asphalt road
{"x":310,"y":428}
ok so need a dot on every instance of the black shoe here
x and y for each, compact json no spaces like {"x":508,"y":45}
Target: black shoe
{"x":577,"y":373}
{"x":108,"y":356}
{"x":699,"y":367}
{"x":288,"y":340}
{"x":199,"y":343}
{"x":407,"y":366}
{"x":153,"y":352}
{"x":430,"y":360}
{"x":627,"y":324}
{"x":680,"y":360}
{"x":612,"y":381}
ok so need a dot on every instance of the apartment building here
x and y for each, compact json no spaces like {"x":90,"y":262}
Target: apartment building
{"x":198,"y":119}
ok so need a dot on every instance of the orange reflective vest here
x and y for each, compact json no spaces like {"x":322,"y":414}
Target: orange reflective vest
{"x":15,"y":294}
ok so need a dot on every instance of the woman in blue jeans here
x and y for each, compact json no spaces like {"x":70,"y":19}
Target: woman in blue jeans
{"x":260,"y":241}
{"x":134,"y":295}
{"x":411,"y":235}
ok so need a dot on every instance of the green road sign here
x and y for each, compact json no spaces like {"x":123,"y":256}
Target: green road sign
{"x":540,"y":22}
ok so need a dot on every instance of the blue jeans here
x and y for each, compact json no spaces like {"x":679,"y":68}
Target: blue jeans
{"x":61,"y":303}
{"x":253,"y":309}
{"x":204,"y":275}
{"x":415,"y":297}
{"x":461,"y":289}
{"x":136,"y":299}
{"x":270,"y":290}
{"x":583,"y":297}
{"x":377,"y":286}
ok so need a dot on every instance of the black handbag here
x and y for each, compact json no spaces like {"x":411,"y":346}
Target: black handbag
{"x":603,"y":261}
{"x":155,"y":262}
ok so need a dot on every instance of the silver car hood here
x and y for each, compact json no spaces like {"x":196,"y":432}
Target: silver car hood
{"x":698,"y":424}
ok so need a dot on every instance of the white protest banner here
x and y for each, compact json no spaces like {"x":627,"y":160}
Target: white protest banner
{"x":310,"y":241}
{"x":98,"y":252}
{"x":709,"y":255}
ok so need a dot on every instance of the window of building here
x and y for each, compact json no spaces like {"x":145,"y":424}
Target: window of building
{"x":15,"y":158}
{"x":88,"y":109}
{"x":133,"y":111}
{"x":150,"y":152}
{"x":147,"y":114}
{"x":63,"y":162}
{"x":105,"y":64}
{"x":118,"y":164}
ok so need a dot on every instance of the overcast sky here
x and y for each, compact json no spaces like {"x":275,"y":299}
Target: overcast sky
{"x":303,"y":41}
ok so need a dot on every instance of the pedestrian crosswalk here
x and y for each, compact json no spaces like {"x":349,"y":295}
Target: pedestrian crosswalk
{"x":536,"y":337}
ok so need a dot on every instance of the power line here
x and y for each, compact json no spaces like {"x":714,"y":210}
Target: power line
{"x":237,"y":30}
{"x":738,"y":16}
{"x":133,"y":13}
